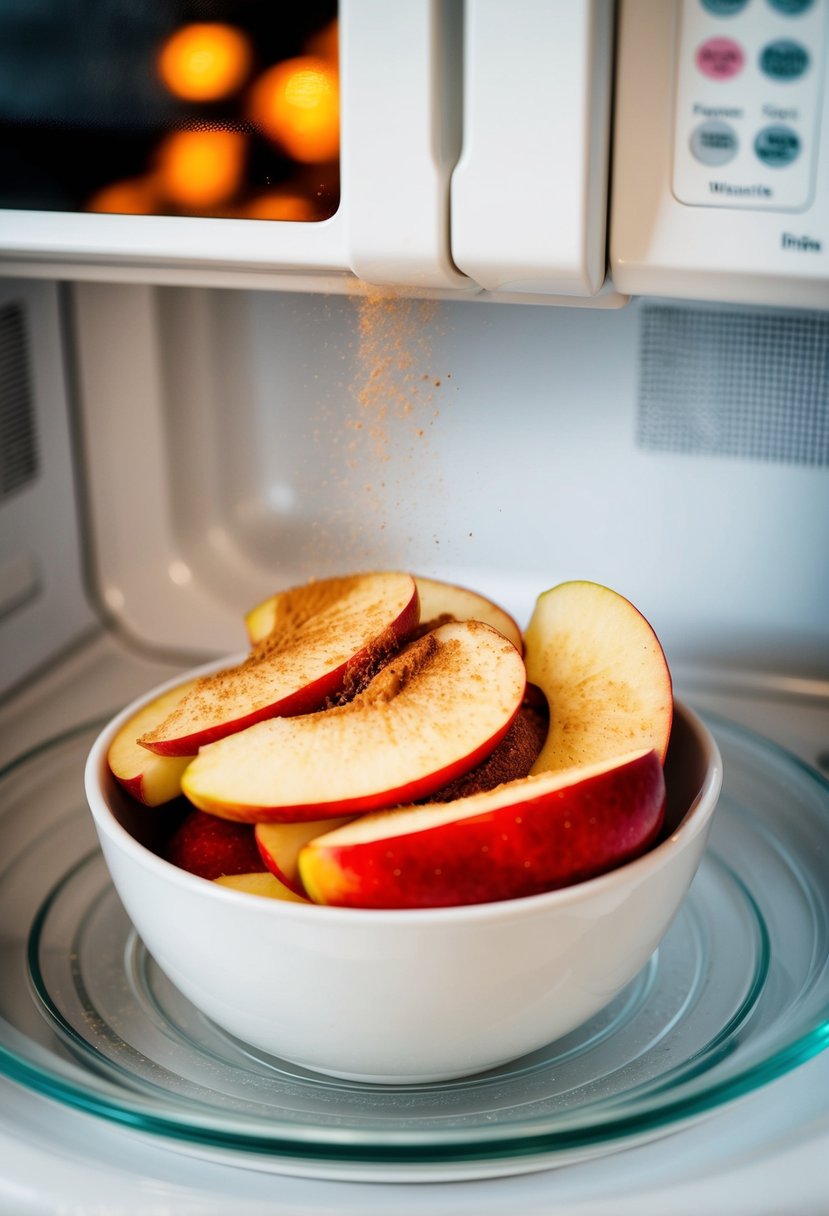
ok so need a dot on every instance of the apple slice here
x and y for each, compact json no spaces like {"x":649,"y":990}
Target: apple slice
{"x":522,"y":838}
{"x":432,"y":713}
{"x":261,"y":883}
{"x":150,"y":779}
{"x":439,"y":602}
{"x":603,"y":672}
{"x":211,"y":847}
{"x":327,"y":635}
{"x":280,"y":843}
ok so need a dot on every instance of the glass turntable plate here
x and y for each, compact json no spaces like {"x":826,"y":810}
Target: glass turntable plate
{"x":736,"y":995}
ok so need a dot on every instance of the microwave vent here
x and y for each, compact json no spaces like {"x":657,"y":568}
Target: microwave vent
{"x":750,"y":384}
{"x":18,"y":442}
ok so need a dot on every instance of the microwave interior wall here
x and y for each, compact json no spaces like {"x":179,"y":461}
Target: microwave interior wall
{"x":226,"y":443}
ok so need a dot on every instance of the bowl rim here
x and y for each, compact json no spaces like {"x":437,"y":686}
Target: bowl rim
{"x":695,"y":820}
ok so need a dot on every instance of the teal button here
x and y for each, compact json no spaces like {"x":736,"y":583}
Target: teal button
{"x":777,"y":146}
{"x":791,"y":8}
{"x":784,"y":59}
{"x":723,"y":8}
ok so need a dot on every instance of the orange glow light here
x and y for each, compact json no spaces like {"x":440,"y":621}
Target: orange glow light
{"x":297,"y":104}
{"x":281,"y":205}
{"x":132,"y":196}
{"x":201,"y":169}
{"x":205,"y":61}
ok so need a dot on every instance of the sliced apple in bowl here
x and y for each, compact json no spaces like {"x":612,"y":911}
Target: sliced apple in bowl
{"x":261,"y":883}
{"x":439,"y":602}
{"x":213,"y":848}
{"x":328,"y":635}
{"x":522,"y":838}
{"x":447,"y":601}
{"x":280,"y":845}
{"x":433,"y":712}
{"x":150,"y":778}
{"x":603,"y":672}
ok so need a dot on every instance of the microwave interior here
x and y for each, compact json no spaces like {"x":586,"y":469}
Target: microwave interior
{"x":198,"y":449}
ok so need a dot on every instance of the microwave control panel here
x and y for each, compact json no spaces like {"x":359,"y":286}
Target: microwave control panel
{"x":749,"y":81}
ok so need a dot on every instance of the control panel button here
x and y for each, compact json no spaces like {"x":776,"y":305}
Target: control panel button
{"x":723,"y":8}
{"x":714,"y":142}
{"x":784,"y":59}
{"x":777,"y":146}
{"x":790,"y":8}
{"x":720,"y":58}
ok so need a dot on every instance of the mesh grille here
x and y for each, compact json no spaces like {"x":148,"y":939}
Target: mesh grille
{"x":747,"y":384}
{"x":18,"y":443}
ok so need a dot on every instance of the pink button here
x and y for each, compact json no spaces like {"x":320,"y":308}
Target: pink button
{"x":720,"y":58}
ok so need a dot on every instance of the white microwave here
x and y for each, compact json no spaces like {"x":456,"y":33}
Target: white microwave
{"x":542,"y":151}
{"x":551,"y":302}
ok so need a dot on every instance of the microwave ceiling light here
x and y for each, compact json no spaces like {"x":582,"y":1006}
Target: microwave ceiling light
{"x":205,"y":61}
{"x":296,"y":104}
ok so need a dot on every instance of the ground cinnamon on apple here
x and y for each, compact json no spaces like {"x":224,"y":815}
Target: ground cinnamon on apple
{"x":512,"y":758}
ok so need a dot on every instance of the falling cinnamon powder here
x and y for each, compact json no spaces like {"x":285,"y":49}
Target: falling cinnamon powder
{"x":394,"y":347}
{"x":381,"y":442}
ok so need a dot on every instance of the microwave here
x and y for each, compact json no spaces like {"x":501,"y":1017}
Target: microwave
{"x":540,"y":291}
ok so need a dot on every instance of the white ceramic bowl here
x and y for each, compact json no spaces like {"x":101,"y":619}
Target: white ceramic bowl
{"x":405,"y":996}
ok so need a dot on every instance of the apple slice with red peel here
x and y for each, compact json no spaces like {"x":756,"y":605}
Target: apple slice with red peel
{"x":433,"y":712}
{"x":211,"y":847}
{"x":512,"y":758}
{"x":523,"y":838}
{"x":149,"y":778}
{"x":263,"y":884}
{"x":280,"y":844}
{"x":603,"y":671}
{"x":326,"y":636}
{"x":439,"y":602}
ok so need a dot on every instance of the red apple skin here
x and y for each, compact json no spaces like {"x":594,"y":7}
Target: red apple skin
{"x":412,"y":791}
{"x":231,"y":779}
{"x":308,"y":698}
{"x":213,"y":848}
{"x":591,"y":823}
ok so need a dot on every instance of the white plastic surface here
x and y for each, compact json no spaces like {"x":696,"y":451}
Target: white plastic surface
{"x":674,"y":231}
{"x":529,"y":193}
{"x":43,"y":606}
{"x":402,"y":131}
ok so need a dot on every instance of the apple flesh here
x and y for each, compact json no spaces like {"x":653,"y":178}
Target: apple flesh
{"x":211,"y":847}
{"x":327,"y":634}
{"x":280,"y":844}
{"x":149,"y":778}
{"x":523,"y":838}
{"x":433,"y":712}
{"x":512,"y":758}
{"x":261,"y":883}
{"x":603,"y":672}
{"x":439,"y":602}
